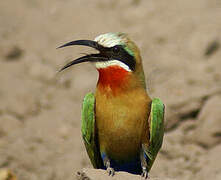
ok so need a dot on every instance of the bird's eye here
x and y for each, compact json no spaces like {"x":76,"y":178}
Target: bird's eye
{"x":116,"y":49}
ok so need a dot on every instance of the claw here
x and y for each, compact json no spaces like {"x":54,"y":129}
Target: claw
{"x":144,"y":174}
{"x":110,"y":171}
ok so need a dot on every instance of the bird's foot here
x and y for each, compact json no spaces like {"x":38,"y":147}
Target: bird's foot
{"x":144,"y":174}
{"x":110,"y":171}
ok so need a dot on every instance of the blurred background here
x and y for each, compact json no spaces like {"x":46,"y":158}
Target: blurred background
{"x":40,"y":109}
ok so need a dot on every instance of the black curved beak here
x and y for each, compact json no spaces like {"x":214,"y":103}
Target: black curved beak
{"x":87,"y":58}
{"x":89,"y":43}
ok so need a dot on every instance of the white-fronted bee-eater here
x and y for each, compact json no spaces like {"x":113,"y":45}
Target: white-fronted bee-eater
{"x":122,"y":127}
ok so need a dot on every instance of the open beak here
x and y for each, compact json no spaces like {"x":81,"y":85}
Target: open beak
{"x":87,"y":58}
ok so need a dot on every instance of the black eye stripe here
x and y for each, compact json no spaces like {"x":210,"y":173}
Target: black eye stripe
{"x":116,"y":49}
{"x":119,"y":53}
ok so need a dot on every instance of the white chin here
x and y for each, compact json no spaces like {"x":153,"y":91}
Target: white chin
{"x":101,"y":65}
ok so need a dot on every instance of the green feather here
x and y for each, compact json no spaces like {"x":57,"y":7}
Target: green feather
{"x":88,"y":130}
{"x":156,"y":131}
{"x":129,"y":50}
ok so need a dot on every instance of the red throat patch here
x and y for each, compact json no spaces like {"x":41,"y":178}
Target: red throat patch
{"x":112,"y":77}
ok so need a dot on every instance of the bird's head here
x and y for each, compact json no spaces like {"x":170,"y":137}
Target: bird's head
{"x":118,"y":57}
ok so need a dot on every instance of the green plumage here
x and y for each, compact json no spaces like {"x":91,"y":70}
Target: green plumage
{"x":156,"y":131}
{"x":89,"y":131}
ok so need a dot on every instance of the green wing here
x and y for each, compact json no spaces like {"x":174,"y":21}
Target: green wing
{"x":156,"y":131}
{"x":88,"y":130}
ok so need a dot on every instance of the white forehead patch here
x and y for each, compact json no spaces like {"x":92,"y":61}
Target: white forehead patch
{"x":105,"y":64}
{"x":109,"y":39}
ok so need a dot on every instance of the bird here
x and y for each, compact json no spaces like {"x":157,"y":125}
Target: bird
{"x":122,"y":127}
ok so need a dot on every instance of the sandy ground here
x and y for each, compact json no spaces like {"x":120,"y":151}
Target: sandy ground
{"x":40,"y":110}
